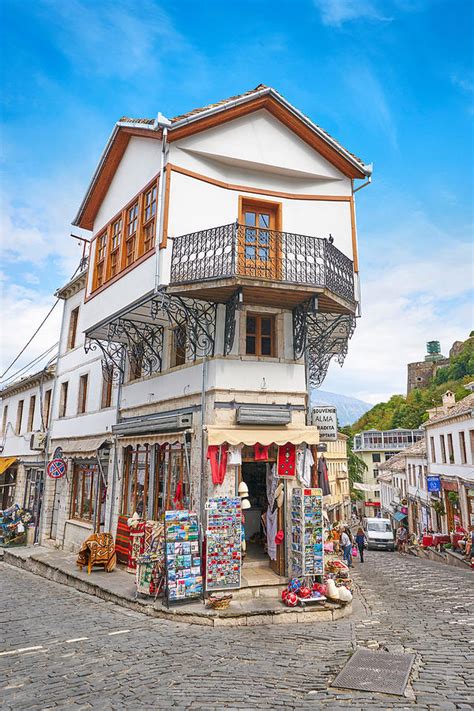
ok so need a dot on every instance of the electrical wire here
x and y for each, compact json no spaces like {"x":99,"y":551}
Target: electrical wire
{"x":28,"y":366}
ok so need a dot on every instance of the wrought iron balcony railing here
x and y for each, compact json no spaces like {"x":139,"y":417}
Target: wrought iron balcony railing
{"x":253,"y":252}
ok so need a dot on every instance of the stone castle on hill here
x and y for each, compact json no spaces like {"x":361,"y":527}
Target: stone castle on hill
{"x":421,"y":372}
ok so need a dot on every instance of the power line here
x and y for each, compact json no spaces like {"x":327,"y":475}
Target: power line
{"x":29,"y":365}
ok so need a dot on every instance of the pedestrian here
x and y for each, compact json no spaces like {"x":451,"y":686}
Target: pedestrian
{"x":346,"y":543}
{"x":402,"y":539}
{"x":361,"y":541}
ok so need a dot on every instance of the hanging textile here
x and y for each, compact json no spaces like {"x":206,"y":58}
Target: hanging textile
{"x":234,"y":454}
{"x":323,"y":478}
{"x":271,"y":520}
{"x":287,"y":460}
{"x":217,"y":456}
{"x":137,"y":542}
{"x":260,"y":452}
{"x":304,"y":463}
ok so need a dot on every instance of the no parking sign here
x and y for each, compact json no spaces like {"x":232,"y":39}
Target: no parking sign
{"x":56,"y":468}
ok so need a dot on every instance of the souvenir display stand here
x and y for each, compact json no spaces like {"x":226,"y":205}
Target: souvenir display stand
{"x":13,"y":523}
{"x":150,"y":574}
{"x":307,"y":543}
{"x":182,"y":557}
{"x":224,"y":543}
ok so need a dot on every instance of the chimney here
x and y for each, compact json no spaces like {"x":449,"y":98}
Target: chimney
{"x":449,"y":399}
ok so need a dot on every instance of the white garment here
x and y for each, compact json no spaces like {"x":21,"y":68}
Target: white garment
{"x":304,"y":462}
{"x":271,"y":524}
{"x":345,"y":540}
{"x":234,"y":454}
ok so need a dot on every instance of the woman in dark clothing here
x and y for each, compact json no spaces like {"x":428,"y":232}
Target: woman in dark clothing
{"x":361,"y":540}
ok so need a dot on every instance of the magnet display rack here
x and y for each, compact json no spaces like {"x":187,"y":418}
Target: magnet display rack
{"x":184,"y":581}
{"x":307,"y":533}
{"x":224,"y":543}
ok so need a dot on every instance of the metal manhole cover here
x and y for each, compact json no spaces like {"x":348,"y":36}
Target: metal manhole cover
{"x":376,"y":671}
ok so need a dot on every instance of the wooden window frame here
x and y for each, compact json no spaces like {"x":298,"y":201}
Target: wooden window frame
{"x":115,"y":251}
{"x":258,"y":334}
{"x":63,"y":393}
{"x":72,"y":333}
{"x":433,"y":450}
{"x":450,"y":448}
{"x":4,"y":419}
{"x":131,"y":237}
{"x":82,"y":394}
{"x":462,"y":447}
{"x":177,"y":352}
{"x":78,"y":492}
{"x":31,"y":413}
{"x":102,"y":270}
{"x":47,"y":407}
{"x":106,"y":395}
{"x":19,"y":416}
{"x":443,"y":449}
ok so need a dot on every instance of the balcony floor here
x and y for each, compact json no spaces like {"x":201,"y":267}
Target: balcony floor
{"x":263,"y":293}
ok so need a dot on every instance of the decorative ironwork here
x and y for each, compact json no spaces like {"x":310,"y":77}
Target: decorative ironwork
{"x":231,"y":307}
{"x":196,"y":317}
{"x":238,"y":250}
{"x":300,"y":314}
{"x":144,"y":343}
{"x":327,"y":337}
{"x":112,"y":357}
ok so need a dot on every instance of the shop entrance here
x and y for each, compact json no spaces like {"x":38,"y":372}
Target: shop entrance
{"x":259,"y":531}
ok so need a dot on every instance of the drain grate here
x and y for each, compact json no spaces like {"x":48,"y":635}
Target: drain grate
{"x":376,"y":671}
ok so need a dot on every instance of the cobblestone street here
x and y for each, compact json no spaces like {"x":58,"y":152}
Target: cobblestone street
{"x":64,"y":649}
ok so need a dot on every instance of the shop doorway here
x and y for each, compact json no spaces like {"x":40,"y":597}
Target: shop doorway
{"x":258,"y":532}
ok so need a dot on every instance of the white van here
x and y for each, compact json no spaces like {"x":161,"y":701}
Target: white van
{"x":379,"y":533}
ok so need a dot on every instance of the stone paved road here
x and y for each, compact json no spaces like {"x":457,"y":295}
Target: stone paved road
{"x":126,"y":660}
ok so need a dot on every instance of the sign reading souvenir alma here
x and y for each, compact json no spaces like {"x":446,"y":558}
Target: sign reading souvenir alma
{"x":324,"y":417}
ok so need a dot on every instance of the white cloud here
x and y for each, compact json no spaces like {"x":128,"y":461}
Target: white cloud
{"x":23,"y":309}
{"x":407,"y":300}
{"x":337,"y":12}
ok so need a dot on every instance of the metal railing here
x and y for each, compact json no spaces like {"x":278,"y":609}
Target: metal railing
{"x":238,"y":250}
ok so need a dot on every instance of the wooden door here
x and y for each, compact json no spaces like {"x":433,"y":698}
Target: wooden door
{"x":259,"y":239}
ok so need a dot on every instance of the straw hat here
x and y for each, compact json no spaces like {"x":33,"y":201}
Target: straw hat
{"x":243,"y":489}
{"x":246,"y":504}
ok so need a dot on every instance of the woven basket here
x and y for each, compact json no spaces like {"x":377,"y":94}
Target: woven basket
{"x":219,"y":602}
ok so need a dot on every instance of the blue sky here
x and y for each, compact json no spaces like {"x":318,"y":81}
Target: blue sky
{"x":392,"y":80}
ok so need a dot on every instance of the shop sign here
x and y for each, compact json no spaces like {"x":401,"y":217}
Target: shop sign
{"x":56,"y":468}
{"x":449,"y":485}
{"x":433,"y":483}
{"x":324,"y":417}
{"x":372,"y":503}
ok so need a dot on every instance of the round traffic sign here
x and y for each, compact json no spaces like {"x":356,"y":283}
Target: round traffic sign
{"x":56,"y":468}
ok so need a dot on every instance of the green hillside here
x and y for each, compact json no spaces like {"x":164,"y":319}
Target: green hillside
{"x":410,"y":411}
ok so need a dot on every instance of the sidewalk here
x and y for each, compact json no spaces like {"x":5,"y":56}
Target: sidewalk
{"x":119,"y":587}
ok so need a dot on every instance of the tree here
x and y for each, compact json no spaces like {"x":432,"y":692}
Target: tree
{"x":356,"y":466}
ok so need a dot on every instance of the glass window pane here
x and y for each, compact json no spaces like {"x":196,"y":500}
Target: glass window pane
{"x":263,"y":238}
{"x":266,"y":327}
{"x":249,"y":252}
{"x":264,"y":220}
{"x":250,"y":218}
{"x":250,"y":236}
{"x":266,"y":346}
{"x":251,"y":324}
{"x":263,"y":254}
{"x":250,"y":345}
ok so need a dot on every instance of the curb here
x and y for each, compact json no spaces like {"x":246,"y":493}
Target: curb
{"x":327,"y":613}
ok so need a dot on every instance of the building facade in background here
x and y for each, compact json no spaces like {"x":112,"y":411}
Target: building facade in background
{"x":338,"y":503}
{"x":375,"y":448}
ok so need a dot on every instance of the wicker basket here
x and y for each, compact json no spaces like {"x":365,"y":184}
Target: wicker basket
{"x":219,"y":602}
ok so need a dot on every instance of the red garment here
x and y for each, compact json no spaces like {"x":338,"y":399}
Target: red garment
{"x":217,"y":456}
{"x":287,"y":460}
{"x":260,"y":452}
{"x":178,"y":495}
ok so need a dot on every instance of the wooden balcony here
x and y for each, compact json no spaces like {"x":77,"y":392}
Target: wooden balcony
{"x":272,"y":268}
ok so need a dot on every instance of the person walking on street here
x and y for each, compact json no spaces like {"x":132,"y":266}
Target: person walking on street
{"x":402,"y":537}
{"x":346,"y":544}
{"x":361,"y":541}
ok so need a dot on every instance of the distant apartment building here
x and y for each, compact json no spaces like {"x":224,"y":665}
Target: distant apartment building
{"x":375,"y":447}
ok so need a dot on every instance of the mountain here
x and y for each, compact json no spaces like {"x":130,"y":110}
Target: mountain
{"x":349,"y":409}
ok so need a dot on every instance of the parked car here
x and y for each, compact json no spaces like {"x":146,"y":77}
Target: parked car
{"x":379,"y":534}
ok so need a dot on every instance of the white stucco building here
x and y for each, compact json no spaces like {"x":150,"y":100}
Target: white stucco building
{"x":222,"y":279}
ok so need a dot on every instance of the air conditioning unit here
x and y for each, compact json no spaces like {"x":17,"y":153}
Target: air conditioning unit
{"x":166,"y":422}
{"x":38,"y":440}
{"x":255,"y":415}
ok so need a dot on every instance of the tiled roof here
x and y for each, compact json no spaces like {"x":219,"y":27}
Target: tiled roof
{"x":202,"y":109}
{"x":463,"y":407}
{"x":397,"y":462}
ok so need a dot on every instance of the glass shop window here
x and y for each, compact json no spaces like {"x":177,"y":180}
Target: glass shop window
{"x":86,"y":478}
